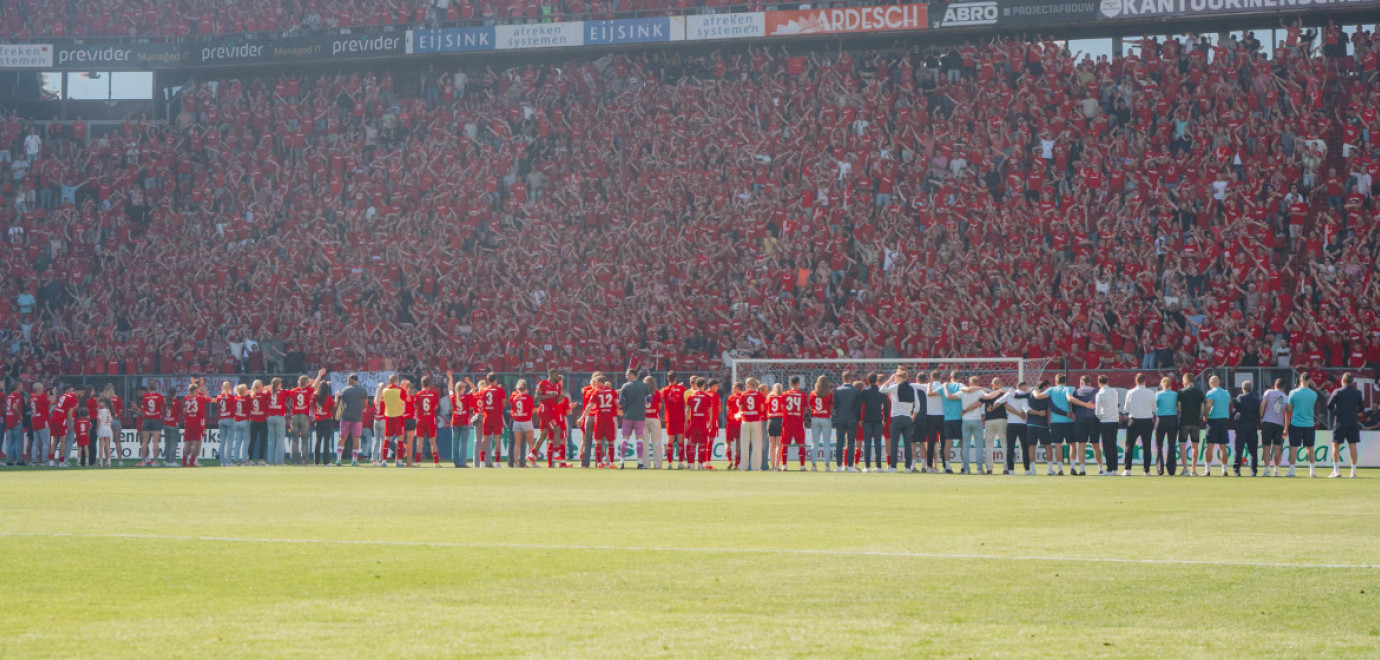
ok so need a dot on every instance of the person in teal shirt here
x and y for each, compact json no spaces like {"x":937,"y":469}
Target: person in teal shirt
{"x":1166,"y":427}
{"x":953,"y":417}
{"x":1218,"y":403}
{"x":1061,"y":423}
{"x":1301,"y":430}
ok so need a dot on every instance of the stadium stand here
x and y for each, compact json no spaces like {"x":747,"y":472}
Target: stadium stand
{"x":1185,"y":206}
{"x":150,"y":19}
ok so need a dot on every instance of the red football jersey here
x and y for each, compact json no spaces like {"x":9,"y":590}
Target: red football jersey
{"x":14,"y":409}
{"x":194,"y":408}
{"x":241,"y":404}
{"x":428,"y":402}
{"x":674,"y":397}
{"x":752,"y":405}
{"x":258,"y":407}
{"x":774,"y":408}
{"x":521,"y":406}
{"x":151,"y":405}
{"x":793,"y":404}
{"x":821,"y":406}
{"x":653,"y":405}
{"x":301,"y":400}
{"x":461,"y":409}
{"x":491,"y":400}
{"x":226,"y":404}
{"x":701,"y":405}
{"x":605,"y":402}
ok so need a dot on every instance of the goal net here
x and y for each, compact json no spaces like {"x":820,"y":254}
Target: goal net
{"x":1010,"y":370}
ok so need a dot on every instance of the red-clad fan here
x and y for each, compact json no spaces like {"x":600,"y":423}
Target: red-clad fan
{"x":151,"y":406}
{"x":673,"y":395}
{"x":14,"y":432}
{"x":793,"y":422}
{"x":258,"y":422}
{"x":300,"y":419}
{"x":521,"y":408}
{"x":427,"y":404}
{"x":277,"y":421}
{"x":752,"y":408}
{"x":821,"y":406}
{"x":491,"y":401}
{"x":82,"y":425}
{"x":407,"y":446}
{"x":225,"y":420}
{"x":172,"y":413}
{"x":323,"y":416}
{"x":652,"y":415}
{"x":238,"y":452}
{"x":776,"y":410}
{"x":38,"y":420}
{"x":194,"y":407}
{"x":463,"y":402}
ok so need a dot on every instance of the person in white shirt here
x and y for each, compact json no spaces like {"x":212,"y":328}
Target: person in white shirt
{"x":1016,"y":402}
{"x":104,"y":432}
{"x":972,"y":438}
{"x":994,"y":419}
{"x":905,"y":401}
{"x":1108,"y":410}
{"x":934,"y":425}
{"x":1139,"y":407}
{"x":32,"y":145}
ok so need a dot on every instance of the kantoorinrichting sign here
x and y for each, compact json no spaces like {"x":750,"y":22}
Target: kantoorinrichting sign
{"x":1132,"y":9}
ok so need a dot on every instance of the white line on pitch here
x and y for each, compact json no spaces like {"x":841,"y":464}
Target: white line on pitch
{"x":770,"y":551}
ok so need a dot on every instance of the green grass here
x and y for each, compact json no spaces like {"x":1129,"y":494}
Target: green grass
{"x":438,"y":563}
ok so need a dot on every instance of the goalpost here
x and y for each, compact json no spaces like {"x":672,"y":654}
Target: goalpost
{"x":1012,"y":370}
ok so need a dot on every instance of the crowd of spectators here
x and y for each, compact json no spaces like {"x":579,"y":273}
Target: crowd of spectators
{"x":25,"y":19}
{"x":1183,"y":207}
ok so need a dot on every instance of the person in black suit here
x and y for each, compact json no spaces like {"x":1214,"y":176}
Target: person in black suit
{"x":847,"y":402}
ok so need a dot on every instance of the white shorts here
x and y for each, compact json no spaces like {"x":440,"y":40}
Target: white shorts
{"x":522,"y":427}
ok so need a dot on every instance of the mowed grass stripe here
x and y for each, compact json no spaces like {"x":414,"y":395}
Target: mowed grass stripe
{"x":449,"y":563}
{"x":776,"y":551}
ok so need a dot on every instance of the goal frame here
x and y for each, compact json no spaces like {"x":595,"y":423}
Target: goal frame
{"x":1019,"y":363}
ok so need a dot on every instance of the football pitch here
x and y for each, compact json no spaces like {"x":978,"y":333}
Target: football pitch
{"x":327,"y":562}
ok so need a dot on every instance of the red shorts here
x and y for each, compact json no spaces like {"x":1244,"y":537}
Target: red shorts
{"x":493,"y":425}
{"x":193,"y":435}
{"x":551,"y":426}
{"x":675,"y":425}
{"x":734,"y":432}
{"x":603,"y":429}
{"x":392,"y":426}
{"x":697,"y":434}
{"x":792,"y":435}
{"x":426,"y":430}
